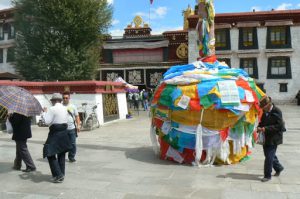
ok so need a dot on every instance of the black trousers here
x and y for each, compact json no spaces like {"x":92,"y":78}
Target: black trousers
{"x":271,"y":161}
{"x":22,"y":153}
{"x":57,"y":164}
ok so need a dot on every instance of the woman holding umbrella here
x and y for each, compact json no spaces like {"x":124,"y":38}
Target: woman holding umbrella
{"x":21,"y":105}
{"x":21,"y":132}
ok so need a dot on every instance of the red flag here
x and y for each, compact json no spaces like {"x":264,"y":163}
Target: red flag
{"x":151,"y":1}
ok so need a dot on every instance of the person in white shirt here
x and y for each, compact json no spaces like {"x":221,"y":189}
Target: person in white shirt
{"x":58,"y":141}
{"x":73,"y":124}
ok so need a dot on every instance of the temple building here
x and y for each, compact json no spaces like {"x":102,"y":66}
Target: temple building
{"x":141,"y":58}
{"x":265,"y":44}
{"x":7,"y":43}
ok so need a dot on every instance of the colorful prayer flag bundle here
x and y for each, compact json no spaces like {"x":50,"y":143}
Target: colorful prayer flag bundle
{"x":205,"y":112}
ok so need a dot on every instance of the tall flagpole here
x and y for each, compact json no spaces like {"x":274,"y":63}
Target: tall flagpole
{"x":149,"y":11}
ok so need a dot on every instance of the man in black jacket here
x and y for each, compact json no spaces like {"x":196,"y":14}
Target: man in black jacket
{"x":272,"y":125}
{"x":21,"y":132}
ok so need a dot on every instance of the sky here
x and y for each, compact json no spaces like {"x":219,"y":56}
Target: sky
{"x":167,"y":14}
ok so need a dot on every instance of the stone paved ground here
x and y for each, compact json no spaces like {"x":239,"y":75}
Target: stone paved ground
{"x":116,"y":161}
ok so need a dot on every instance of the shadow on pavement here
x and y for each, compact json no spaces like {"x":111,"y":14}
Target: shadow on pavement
{"x":6,"y":167}
{"x":241,"y":176}
{"x":143,"y":154}
{"x":36,"y":177}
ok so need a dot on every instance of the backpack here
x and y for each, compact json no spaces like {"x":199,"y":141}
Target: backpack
{"x":135,"y":97}
{"x":145,"y":95}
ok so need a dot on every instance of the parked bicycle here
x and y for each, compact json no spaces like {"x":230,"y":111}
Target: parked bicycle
{"x":41,"y":122}
{"x":88,"y":121}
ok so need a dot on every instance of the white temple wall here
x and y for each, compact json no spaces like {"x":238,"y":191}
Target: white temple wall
{"x":262,"y":54}
{"x":91,"y":100}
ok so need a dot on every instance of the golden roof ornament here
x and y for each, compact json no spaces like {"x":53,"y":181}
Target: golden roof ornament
{"x":137,"y":21}
{"x":186,"y":13}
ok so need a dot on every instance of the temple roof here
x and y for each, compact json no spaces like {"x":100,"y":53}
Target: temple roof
{"x":261,"y":16}
{"x":175,"y":31}
{"x":7,"y":13}
{"x":136,"y":39}
{"x":138,"y":65}
{"x":136,"y":45}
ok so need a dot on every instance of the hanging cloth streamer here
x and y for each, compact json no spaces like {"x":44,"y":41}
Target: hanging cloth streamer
{"x":154,"y":141}
{"x":199,"y":144}
{"x":205,"y":37}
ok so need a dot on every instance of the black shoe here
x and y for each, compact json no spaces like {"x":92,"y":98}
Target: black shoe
{"x":72,"y":160}
{"x":278,"y":173}
{"x":58,"y":179}
{"x":27,"y":170}
{"x":265,"y":179}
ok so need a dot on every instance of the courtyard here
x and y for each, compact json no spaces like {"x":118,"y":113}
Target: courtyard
{"x":117,"y":161}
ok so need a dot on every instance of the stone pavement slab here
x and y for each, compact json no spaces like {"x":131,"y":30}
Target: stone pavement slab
{"x":117,"y":161}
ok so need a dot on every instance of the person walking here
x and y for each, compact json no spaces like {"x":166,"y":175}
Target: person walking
{"x":130,"y":99}
{"x":21,"y":126}
{"x":58,"y":141}
{"x":272,"y":125}
{"x":298,"y":98}
{"x":136,"y":98}
{"x":73,"y":124}
{"x":145,"y":99}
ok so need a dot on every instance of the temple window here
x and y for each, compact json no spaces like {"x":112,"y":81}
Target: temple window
{"x":135,"y":77}
{"x":153,"y":77}
{"x":11,"y":31}
{"x":279,"y":37}
{"x":248,"y":38}
{"x":1,"y":55}
{"x":10,"y":55}
{"x":250,"y":66}
{"x":283,"y":87}
{"x":222,"y":39}
{"x":1,"y":32}
{"x":279,"y":68}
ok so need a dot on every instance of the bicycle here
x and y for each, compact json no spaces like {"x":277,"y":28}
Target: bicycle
{"x":89,"y":122}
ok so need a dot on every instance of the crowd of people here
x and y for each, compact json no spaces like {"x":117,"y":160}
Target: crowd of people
{"x":64,"y":124}
{"x":139,"y":99}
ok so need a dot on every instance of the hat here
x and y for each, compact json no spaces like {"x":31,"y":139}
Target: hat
{"x":56,"y":96}
{"x":264,"y":101}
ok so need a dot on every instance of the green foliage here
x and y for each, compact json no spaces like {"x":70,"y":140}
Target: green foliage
{"x":60,"y":39}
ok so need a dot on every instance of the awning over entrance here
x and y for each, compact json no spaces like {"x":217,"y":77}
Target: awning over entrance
{"x":9,"y":76}
{"x":136,"y":45}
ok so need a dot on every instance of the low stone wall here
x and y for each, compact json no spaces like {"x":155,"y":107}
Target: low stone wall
{"x":110,"y":97}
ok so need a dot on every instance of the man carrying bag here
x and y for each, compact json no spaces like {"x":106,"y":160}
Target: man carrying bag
{"x":272,"y":126}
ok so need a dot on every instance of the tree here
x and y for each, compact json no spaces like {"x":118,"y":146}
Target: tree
{"x":60,"y":39}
